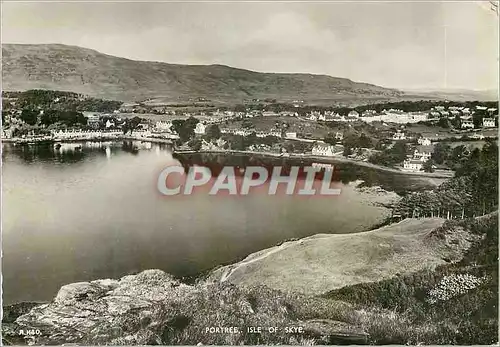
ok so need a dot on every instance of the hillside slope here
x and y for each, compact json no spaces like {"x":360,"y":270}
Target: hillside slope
{"x":81,"y":70}
{"x":321,"y":263}
{"x":154,"y":308}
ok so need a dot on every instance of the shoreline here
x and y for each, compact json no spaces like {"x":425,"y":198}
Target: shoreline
{"x":205,"y":274}
{"x":325,"y":159}
{"x":99,"y":139}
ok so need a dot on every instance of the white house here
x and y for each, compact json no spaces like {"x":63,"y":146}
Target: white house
{"x":109,"y":124}
{"x":413,"y":165}
{"x":434,"y":115}
{"x":338,"y":118}
{"x":275,"y":133}
{"x":424,"y":141}
{"x":200,"y":129}
{"x":92,"y":118}
{"x":488,"y":122}
{"x":466,"y":112}
{"x":423,"y":153}
{"x":399,"y":136}
{"x":270,"y":114}
{"x":324,"y":166}
{"x":467,"y":124}
{"x":371,"y":118}
{"x":243,"y":132}
{"x":417,"y":117}
{"x":477,"y":136}
{"x":7,"y":133}
{"x":291,"y":135}
{"x":353,"y":113}
{"x":163,"y":125}
{"x":323,"y":149}
{"x":369,"y":113}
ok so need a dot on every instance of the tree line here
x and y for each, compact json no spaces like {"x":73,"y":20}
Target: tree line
{"x":473,"y":191}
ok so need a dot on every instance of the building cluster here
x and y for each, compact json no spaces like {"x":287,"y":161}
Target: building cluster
{"x":325,"y":149}
{"x":421,"y":154}
{"x":402,"y":117}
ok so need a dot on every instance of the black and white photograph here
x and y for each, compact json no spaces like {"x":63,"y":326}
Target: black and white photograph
{"x":245,"y":172}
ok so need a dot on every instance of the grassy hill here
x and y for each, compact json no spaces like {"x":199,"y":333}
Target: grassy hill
{"x":325,"y":262}
{"x":81,"y":70}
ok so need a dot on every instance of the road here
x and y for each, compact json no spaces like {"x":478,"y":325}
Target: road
{"x":334,"y":160}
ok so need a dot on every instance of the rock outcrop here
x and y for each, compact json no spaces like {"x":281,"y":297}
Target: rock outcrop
{"x":153,"y":308}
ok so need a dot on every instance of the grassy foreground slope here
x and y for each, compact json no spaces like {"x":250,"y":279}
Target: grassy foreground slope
{"x":456,"y":302}
{"x":320,"y":263}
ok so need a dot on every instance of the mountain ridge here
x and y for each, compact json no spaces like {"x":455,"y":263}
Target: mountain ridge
{"x":84,"y":70}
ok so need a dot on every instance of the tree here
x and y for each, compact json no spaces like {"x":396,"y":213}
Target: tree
{"x":390,"y":156}
{"x":195,"y":144}
{"x":457,"y":155}
{"x":239,"y":108}
{"x":364,"y":141}
{"x":131,"y":124}
{"x":213,"y":132}
{"x":428,"y":166}
{"x":247,"y":124}
{"x":185,"y":128}
{"x":444,"y":123}
{"x":441,"y":153}
{"x":477,"y":119}
{"x":347,"y":151}
{"x":29,"y":116}
{"x":330,"y":139}
{"x":457,"y":122}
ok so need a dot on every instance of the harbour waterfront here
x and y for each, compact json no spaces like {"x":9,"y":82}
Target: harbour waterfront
{"x":90,"y":210}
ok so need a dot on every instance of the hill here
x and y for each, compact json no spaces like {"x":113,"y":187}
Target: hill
{"x":321,"y":263}
{"x":457,"y":94}
{"x":82,"y":70}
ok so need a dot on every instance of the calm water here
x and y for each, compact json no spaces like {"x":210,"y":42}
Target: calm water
{"x":76,"y":214}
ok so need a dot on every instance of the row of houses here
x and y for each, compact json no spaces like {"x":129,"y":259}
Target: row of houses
{"x":401,"y":117}
{"x":246,"y":132}
{"x":487,"y":122}
{"x":324,"y":149}
{"x":93,"y":134}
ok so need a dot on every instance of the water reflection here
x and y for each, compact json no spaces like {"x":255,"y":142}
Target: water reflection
{"x":73,"y":152}
{"x":82,"y":211}
{"x":342,"y":172}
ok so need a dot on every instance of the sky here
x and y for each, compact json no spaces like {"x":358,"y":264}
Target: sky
{"x":399,"y":44}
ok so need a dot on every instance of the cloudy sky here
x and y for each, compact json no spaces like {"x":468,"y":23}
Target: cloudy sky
{"x":404,"y":45}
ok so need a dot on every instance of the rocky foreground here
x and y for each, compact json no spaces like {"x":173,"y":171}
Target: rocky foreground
{"x":276,"y":288}
{"x":152,"y":308}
